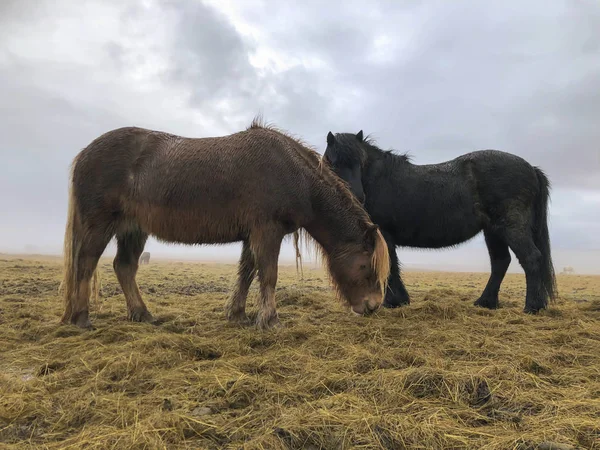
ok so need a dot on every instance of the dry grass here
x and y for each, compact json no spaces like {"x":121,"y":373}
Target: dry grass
{"x":437,"y":374}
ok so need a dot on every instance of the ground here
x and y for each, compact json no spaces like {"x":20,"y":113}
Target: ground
{"x":439,"y":373}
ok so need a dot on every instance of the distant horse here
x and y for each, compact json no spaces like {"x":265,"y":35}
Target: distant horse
{"x":442,"y":205}
{"x":254,"y":186}
{"x":145,"y":258}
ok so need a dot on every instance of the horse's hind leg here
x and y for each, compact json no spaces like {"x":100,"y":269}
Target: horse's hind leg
{"x":130,"y":246}
{"x":520,"y":240}
{"x":93,"y":244}
{"x":500,"y":260}
{"x":266,"y":244}
{"x":236,"y":305}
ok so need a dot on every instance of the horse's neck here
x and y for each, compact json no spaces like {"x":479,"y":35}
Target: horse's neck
{"x":332,"y":226}
{"x":373,"y":153}
{"x":380,"y":162}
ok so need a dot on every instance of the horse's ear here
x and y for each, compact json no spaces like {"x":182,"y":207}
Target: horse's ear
{"x":359,"y":136}
{"x":371,"y":235}
{"x":330,"y":138}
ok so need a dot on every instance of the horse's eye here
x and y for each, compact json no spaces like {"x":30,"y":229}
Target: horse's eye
{"x":363,"y":266}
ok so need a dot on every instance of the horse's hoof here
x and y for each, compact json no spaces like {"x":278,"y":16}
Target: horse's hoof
{"x":268,"y":323}
{"x":239,"y":318}
{"x":486,"y":303}
{"x":141,"y":315}
{"x":390,"y":305}
{"x":395,"y":303}
{"x":82,"y":320}
{"x":531,"y":310}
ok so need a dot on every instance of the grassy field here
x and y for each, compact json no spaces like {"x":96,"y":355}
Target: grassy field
{"x":439,"y":373}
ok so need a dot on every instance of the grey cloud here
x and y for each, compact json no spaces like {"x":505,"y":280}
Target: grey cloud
{"x":210,"y":60}
{"x":18,"y":11}
{"x":41,"y":133}
{"x":209,"y":57}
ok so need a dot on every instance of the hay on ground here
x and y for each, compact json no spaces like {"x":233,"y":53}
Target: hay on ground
{"x":438,"y":374}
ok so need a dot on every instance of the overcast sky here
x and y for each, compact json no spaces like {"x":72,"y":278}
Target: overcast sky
{"x":435,"y":78}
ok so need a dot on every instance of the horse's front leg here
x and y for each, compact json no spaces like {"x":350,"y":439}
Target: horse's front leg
{"x":396,"y":294}
{"x":266,"y":244}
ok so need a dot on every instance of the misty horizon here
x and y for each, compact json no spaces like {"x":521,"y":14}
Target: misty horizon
{"x":466,"y":258}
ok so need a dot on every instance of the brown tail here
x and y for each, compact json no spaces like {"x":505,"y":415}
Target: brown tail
{"x":298,"y":254}
{"x":72,"y":247}
{"x":96,"y":286}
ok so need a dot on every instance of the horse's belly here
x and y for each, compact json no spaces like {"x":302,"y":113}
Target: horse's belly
{"x":193,"y":226}
{"x":433,"y":241}
{"x":437,"y":234}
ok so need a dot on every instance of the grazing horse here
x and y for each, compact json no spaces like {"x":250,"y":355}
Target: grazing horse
{"x":145,"y":258}
{"x":254,"y":186}
{"x":442,"y":205}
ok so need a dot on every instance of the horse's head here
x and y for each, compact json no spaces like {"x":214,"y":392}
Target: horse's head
{"x":360,"y":271}
{"x":345,"y":155}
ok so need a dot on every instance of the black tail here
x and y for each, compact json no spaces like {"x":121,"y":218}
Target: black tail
{"x":541,"y":236}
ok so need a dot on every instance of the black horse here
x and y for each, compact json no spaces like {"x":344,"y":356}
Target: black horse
{"x":442,"y":205}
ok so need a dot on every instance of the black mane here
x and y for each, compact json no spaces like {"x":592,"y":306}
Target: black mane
{"x":349,"y":151}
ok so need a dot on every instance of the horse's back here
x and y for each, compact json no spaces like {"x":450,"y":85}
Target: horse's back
{"x":500,"y":178}
{"x":194,"y":189}
{"x":104,"y":170}
{"x":158,"y":166}
{"x":439,"y":205}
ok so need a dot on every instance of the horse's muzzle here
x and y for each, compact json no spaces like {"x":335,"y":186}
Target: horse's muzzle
{"x":369,"y":306}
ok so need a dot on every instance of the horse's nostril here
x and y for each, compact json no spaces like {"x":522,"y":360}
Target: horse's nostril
{"x":370,"y":309}
{"x":372,"y":305}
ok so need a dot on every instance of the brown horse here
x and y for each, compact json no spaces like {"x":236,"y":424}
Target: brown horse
{"x":254,"y":186}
